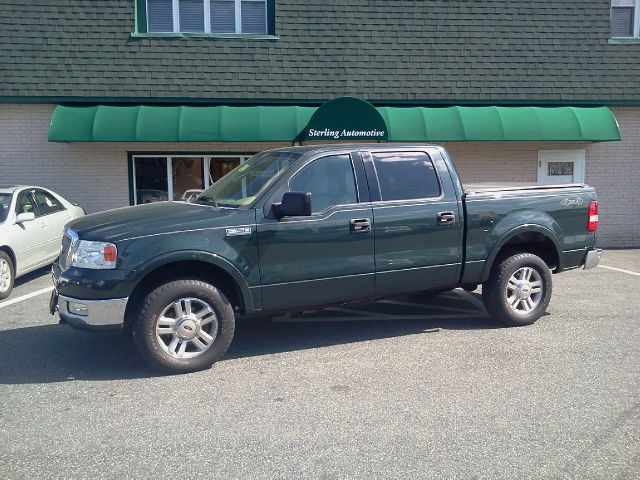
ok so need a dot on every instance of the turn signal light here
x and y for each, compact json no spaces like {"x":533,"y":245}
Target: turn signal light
{"x":110,"y":253}
{"x":592,"y":224}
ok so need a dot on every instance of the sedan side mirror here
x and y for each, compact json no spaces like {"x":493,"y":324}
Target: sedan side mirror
{"x":294,"y":204}
{"x":25,"y":217}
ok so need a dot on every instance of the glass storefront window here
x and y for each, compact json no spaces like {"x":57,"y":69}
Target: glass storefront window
{"x":158,"y":178}
{"x":220,"y":166}
{"x":151,"y":184}
{"x":188,"y":174}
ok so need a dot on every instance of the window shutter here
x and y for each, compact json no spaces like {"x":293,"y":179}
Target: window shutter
{"x":160,"y":15}
{"x":223,"y":16}
{"x":191,"y":15}
{"x":254,"y":17}
{"x":622,"y":21}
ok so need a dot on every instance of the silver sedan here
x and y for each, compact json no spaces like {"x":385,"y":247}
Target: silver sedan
{"x":32,"y":221}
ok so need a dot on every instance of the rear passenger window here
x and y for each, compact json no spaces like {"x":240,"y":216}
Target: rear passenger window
{"x":406,"y":175}
{"x":47,"y":203}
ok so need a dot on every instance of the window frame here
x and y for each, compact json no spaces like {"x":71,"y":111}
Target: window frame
{"x":207,"y":158}
{"x":142,"y":20}
{"x":636,"y":20}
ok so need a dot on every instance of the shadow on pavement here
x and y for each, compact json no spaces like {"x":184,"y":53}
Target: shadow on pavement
{"x":28,"y":277}
{"x":56,"y":353}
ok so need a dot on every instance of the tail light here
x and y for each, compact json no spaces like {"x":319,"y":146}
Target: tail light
{"x":592,"y":223}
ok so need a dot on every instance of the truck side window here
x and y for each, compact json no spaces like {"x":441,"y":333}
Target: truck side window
{"x":329,"y":179}
{"x":406,"y":175}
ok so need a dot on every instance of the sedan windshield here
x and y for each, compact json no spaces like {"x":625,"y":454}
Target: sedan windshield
{"x":244,"y":183}
{"x":5,"y":203}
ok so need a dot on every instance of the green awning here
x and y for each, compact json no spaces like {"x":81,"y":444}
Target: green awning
{"x":466,"y":124}
{"x":177,"y":124}
{"x":144,"y":123}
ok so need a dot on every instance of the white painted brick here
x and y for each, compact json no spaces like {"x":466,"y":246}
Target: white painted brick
{"x":95,"y":174}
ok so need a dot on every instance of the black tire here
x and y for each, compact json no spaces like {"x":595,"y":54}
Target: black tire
{"x":495,"y":291}
{"x":153,"y":347}
{"x":4,"y":257}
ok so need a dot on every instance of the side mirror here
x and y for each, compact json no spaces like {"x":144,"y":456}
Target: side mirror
{"x":25,"y":217}
{"x":294,"y":204}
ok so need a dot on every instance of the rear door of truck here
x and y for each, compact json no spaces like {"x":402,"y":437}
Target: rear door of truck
{"x":417,"y":220}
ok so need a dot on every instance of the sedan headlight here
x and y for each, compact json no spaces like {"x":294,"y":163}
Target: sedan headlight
{"x":95,"y":255}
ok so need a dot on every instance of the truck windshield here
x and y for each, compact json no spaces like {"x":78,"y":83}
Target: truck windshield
{"x":244,"y":183}
{"x":5,"y":202}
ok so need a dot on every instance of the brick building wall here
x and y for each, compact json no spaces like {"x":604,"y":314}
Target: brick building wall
{"x":95,"y":174}
{"x":614,"y":170}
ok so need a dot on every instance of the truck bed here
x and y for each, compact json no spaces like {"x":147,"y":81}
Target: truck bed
{"x":481,"y":188}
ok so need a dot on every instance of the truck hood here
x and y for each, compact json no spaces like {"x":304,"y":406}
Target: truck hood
{"x":157,"y":218}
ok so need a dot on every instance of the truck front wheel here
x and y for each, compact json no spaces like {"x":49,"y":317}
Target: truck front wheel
{"x":183,"y":326}
{"x":518,"y":290}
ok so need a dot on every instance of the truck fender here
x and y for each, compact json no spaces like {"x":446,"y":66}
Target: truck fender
{"x":513,"y":232}
{"x":195,"y":255}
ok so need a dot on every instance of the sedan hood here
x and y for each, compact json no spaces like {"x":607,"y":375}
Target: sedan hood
{"x":157,"y":218}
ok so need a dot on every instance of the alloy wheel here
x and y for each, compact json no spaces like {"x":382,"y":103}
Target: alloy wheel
{"x":524,"y":290}
{"x":5,"y":275}
{"x":187,"y":328}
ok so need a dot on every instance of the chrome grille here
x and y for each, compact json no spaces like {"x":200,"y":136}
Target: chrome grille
{"x":69,"y":242}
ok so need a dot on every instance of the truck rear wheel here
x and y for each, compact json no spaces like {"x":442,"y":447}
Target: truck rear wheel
{"x":183,"y":326}
{"x":518,"y":290}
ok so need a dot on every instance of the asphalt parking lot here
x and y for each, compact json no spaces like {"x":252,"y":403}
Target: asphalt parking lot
{"x":412,"y":387}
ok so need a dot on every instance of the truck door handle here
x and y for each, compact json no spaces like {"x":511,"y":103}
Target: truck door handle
{"x":446,"y":218}
{"x":360,"y":225}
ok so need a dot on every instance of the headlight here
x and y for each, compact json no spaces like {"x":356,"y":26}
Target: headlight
{"x":95,"y":255}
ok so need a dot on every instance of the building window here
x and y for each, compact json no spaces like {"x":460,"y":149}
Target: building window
{"x":157,"y":177}
{"x":625,"y":18}
{"x":208,"y":16}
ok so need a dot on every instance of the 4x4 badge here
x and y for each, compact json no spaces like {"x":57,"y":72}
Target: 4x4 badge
{"x":571,"y":201}
{"x":237,"y":231}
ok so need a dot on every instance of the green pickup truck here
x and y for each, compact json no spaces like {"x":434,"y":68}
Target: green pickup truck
{"x":298,"y":228}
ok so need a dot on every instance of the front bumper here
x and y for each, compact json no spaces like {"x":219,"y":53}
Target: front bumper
{"x":592,"y":258}
{"x":95,"y":315}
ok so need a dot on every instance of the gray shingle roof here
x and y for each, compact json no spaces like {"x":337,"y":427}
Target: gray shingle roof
{"x":406,"y":50}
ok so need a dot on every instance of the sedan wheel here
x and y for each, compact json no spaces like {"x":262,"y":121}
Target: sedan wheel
{"x":6,"y":275}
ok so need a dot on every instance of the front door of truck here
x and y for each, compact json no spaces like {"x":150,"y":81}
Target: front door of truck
{"x":327,"y":257}
{"x":417,"y":222}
